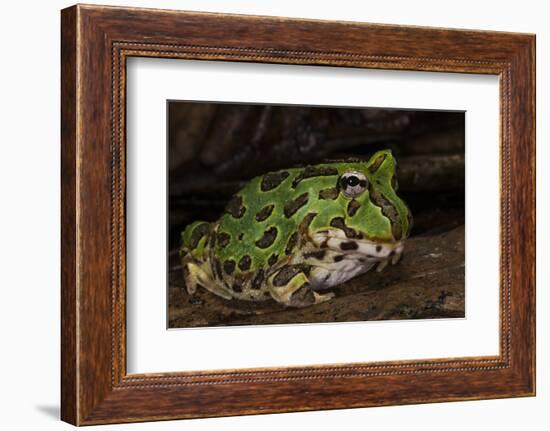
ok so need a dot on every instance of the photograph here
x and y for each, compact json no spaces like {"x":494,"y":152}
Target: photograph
{"x":289,"y":214}
{"x":275,"y":215}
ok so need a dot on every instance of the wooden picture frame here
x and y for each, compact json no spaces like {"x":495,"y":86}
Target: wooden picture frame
{"x":95,"y":43}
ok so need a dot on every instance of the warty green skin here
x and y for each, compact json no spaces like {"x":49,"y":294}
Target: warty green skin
{"x":292,"y":233}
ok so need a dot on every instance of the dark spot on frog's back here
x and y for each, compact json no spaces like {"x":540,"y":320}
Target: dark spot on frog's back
{"x":272,"y":180}
{"x":272,"y":259}
{"x":312,"y":172}
{"x":328,"y":194}
{"x":353,"y":207}
{"x":294,"y":205}
{"x":229,"y":266}
{"x":287,"y":273}
{"x":348,"y":245}
{"x":317,"y":254}
{"x":235,"y":207}
{"x":268,"y":238}
{"x":338,"y":222}
{"x":223,"y":239}
{"x":245,"y":262}
{"x":264,"y":213}
{"x":257,"y":280}
{"x":292,"y":241}
{"x":198,"y":233}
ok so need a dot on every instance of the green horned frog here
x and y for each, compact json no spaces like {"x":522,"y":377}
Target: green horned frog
{"x":290,"y":234}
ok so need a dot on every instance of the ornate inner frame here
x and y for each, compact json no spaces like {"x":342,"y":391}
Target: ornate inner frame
{"x":96,"y":42}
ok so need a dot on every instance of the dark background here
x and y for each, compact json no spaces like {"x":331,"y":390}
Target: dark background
{"x":214,"y":148}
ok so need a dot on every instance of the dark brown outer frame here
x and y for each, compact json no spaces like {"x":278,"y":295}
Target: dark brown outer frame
{"x":96,"y":41}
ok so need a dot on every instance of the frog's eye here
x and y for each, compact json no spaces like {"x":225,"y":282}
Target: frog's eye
{"x":353,"y":183}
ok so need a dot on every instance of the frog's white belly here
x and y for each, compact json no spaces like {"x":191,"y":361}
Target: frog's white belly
{"x":333,"y":274}
{"x":366,"y":254}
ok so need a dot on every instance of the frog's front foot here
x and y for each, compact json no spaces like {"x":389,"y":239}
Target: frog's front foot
{"x":195,"y":276}
{"x":290,"y":286}
{"x":323,"y":298}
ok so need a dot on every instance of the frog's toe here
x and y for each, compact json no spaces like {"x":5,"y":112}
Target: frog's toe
{"x":190,"y":279}
{"x":305,"y":296}
{"x":302,"y":297}
{"x":290,"y":286}
{"x":195,"y":276}
{"x":323,"y":298}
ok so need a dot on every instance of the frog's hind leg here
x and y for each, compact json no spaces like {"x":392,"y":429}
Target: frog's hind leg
{"x":196,"y":276}
{"x":290,"y":286}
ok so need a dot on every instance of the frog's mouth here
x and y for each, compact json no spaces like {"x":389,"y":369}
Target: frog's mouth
{"x":371,"y":252}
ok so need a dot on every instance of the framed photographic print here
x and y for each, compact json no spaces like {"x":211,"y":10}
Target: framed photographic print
{"x":270,"y":215}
